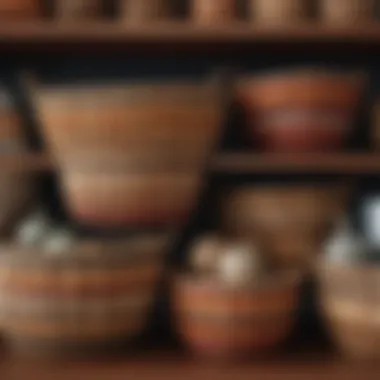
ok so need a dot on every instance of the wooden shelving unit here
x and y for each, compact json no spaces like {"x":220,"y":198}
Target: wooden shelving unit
{"x":169,"y":364}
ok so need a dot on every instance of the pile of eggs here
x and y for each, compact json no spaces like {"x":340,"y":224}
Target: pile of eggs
{"x":37,"y":231}
{"x":235,"y":263}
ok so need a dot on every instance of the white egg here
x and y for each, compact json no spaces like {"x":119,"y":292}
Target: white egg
{"x":32,"y":230}
{"x":204,"y":254}
{"x":58,"y":241}
{"x":239,"y":265}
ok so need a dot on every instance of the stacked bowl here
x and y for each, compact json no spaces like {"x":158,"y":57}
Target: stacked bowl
{"x":131,"y":155}
{"x":301,"y":110}
{"x":95,"y":296}
{"x":288,"y":222}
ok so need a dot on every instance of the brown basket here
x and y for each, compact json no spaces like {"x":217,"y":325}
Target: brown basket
{"x":349,"y":298}
{"x":213,"y":11}
{"x":301,"y":110}
{"x":347,"y":11}
{"x":131,"y":124}
{"x":100,"y":292}
{"x":20,"y":8}
{"x":144,"y":10}
{"x":217,"y":321}
{"x":278,"y":11}
{"x":77,"y":9}
{"x":288,"y":222}
{"x":130,"y":199}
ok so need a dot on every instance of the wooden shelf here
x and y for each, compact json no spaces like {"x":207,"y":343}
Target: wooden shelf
{"x":336,"y":163}
{"x":238,"y":32}
{"x":172,"y":366}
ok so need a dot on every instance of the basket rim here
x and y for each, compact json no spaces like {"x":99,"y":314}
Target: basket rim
{"x":272,"y":282}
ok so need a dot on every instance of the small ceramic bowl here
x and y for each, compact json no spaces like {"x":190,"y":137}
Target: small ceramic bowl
{"x":301,"y":110}
{"x":349,"y":298}
{"x":217,"y":321}
{"x":347,"y":11}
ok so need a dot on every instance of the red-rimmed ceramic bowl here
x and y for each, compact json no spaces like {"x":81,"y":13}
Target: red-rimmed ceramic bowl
{"x":23,"y":9}
{"x":301,"y":110}
{"x":217,"y":321}
{"x":98,"y":293}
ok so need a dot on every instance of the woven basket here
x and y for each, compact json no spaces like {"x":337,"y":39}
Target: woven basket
{"x":213,"y":11}
{"x":130,"y":124}
{"x":77,"y":9}
{"x":100,"y":293}
{"x":347,"y":11}
{"x":277,"y":11}
{"x":349,"y":299}
{"x":143,"y":10}
{"x":220,"y":322}
{"x":288,"y":222}
{"x":20,"y":8}
{"x":130,"y":199}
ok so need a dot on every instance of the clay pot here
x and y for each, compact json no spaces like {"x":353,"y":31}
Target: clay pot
{"x":301,"y":110}
{"x":288,"y":222}
{"x":128,"y":199}
{"x":277,"y":11}
{"x":98,"y":294}
{"x":213,"y":11}
{"x":347,"y":11}
{"x":130,"y":125}
{"x":77,"y":9}
{"x":144,"y":10}
{"x":20,"y":8}
{"x":217,"y":321}
{"x":349,"y":299}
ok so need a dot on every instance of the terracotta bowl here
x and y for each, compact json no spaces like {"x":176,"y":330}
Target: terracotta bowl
{"x":77,"y":9}
{"x":213,"y":11}
{"x":143,"y":10}
{"x":99,"y":293}
{"x":277,"y":11}
{"x":349,"y":299}
{"x":347,"y":11}
{"x":130,"y":124}
{"x":288,"y":222}
{"x":130,"y":199}
{"x":301,"y":110}
{"x":219,"y":322}
{"x":20,"y":8}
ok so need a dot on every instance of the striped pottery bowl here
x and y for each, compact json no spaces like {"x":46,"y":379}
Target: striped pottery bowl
{"x":77,"y":9}
{"x":20,"y":8}
{"x":132,"y":125}
{"x":213,"y":11}
{"x":98,"y":294}
{"x":349,"y":301}
{"x":218,"y":321}
{"x":301,"y":110}
{"x":130,"y":199}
